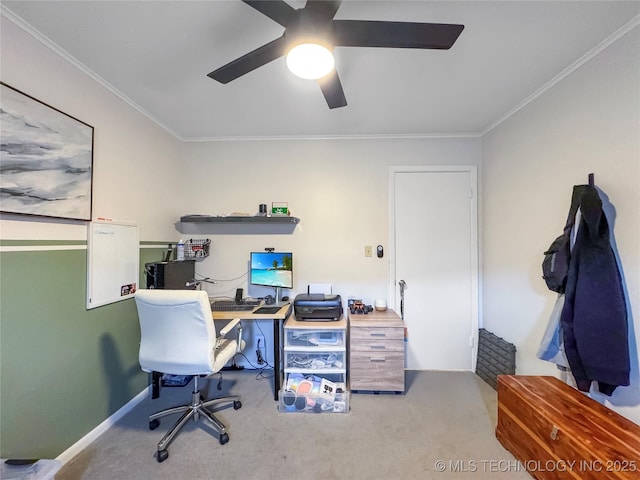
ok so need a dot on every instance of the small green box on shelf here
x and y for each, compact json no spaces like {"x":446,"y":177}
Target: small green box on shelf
{"x":279,"y":208}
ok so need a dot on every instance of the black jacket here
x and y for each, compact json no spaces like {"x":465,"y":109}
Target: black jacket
{"x":594,"y":316}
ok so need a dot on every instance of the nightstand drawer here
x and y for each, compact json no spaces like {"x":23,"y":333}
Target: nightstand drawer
{"x":379,"y":362}
{"x":379,"y":333}
{"x":375,"y":345}
{"x":377,"y":371}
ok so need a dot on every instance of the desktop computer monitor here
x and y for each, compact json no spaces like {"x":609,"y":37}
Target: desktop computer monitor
{"x":272,"y":269}
{"x":171,"y":275}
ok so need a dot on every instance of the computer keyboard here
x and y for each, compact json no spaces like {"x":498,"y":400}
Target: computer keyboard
{"x":232,"y":306}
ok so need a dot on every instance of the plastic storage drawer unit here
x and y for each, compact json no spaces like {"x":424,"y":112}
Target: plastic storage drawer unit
{"x":314,"y":338}
{"x":306,"y":393}
{"x":314,"y":362}
{"x":290,"y":401}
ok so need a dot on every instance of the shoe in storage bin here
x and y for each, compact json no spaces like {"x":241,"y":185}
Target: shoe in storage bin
{"x":312,"y":403}
{"x":314,"y":338}
{"x":313,"y":394}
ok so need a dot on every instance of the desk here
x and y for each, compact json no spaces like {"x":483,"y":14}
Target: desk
{"x":277,"y":318}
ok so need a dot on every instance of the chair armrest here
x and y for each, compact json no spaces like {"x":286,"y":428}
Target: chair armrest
{"x":229,"y":326}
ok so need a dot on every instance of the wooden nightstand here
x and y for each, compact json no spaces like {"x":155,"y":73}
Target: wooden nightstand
{"x":376,"y":353}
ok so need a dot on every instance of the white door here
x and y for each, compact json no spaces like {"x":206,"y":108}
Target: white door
{"x":434,"y":250}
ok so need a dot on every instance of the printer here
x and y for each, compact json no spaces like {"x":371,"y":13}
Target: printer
{"x":317,"y":307}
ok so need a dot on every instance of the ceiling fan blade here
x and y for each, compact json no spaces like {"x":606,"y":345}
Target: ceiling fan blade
{"x":323,"y":8}
{"x":252,"y":60}
{"x":332,"y":90}
{"x":277,"y":10}
{"x":366,"y":33}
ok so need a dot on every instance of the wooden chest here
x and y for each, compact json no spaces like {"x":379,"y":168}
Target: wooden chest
{"x":557,"y":432}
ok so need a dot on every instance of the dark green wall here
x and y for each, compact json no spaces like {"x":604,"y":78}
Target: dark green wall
{"x":63,"y":369}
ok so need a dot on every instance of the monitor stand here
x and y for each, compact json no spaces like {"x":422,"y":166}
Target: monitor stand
{"x":279,"y":302}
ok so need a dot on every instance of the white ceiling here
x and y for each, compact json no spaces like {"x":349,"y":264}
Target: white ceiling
{"x":157,"y":54}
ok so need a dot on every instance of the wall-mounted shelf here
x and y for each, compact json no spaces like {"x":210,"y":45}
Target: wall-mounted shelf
{"x":240,"y":219}
{"x":206,"y":224}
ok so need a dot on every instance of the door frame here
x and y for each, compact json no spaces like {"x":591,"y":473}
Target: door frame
{"x":393,"y":296}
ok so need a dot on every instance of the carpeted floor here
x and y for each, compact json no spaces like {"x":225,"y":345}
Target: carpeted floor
{"x":441,"y":428}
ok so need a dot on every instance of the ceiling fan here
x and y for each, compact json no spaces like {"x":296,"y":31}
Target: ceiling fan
{"x":314,"y":24}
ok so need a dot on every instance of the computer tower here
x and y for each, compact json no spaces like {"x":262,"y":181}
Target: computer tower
{"x":171,"y":275}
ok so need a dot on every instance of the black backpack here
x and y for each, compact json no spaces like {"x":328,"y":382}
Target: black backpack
{"x":555,"y":265}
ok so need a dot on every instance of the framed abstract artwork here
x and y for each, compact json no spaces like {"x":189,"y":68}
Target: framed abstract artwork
{"x":46,"y":159}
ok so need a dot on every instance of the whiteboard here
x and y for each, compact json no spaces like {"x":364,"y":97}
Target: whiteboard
{"x":113,"y":262}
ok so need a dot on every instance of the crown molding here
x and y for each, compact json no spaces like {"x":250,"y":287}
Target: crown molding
{"x":47,"y":42}
{"x":17,"y":20}
{"x":622,"y":31}
{"x":391,"y":136}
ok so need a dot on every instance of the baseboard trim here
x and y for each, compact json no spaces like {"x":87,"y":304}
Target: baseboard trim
{"x":81,"y":444}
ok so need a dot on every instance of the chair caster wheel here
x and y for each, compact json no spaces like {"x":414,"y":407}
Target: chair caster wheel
{"x":162,"y":455}
{"x":237,"y":404}
{"x":153,"y":424}
{"x":224,"y":438}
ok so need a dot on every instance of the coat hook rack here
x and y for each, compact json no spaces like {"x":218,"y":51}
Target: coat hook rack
{"x":591,"y":179}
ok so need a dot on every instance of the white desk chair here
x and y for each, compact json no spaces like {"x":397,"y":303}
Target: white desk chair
{"x":178,"y":337}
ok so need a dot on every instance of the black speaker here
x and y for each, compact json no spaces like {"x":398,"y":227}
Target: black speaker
{"x":171,"y":275}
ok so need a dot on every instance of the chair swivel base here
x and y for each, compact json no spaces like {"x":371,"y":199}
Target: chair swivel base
{"x":197,"y":408}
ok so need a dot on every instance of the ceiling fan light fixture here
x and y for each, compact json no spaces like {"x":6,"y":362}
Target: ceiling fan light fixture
{"x":310,"y":60}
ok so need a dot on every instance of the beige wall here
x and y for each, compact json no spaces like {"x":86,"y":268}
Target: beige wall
{"x":338,"y":189}
{"x":133,"y":158}
{"x":589,"y":122}
{"x":47,"y":335}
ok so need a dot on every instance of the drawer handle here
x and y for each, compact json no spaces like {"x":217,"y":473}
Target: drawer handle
{"x":378,"y":347}
{"x":381,"y":334}
{"x":373,"y":359}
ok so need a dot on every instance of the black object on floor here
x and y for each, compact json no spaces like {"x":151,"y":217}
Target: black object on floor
{"x":495,"y":357}
{"x":175,"y":380}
